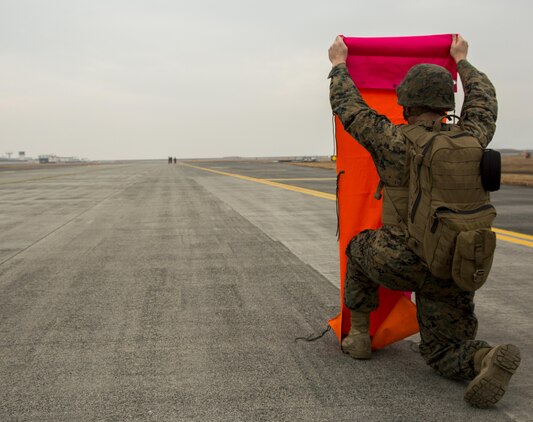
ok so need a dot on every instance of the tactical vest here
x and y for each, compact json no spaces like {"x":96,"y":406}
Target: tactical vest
{"x":443,"y":207}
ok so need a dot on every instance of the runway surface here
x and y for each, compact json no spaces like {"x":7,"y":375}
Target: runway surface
{"x":148,"y":291}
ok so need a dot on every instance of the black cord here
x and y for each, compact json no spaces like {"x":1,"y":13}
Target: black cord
{"x":337,"y":205}
{"x":311,"y":338}
{"x":334,"y":134}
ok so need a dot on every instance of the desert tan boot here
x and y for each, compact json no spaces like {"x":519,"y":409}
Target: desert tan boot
{"x":494,"y":368}
{"x":357,"y":342}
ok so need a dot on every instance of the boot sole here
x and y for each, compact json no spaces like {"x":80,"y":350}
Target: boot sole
{"x":490,"y":385}
{"x":359,"y":356}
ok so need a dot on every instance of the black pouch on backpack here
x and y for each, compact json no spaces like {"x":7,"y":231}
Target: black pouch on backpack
{"x":491,"y":170}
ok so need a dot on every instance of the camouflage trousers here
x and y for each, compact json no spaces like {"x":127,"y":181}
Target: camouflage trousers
{"x":445,"y":313}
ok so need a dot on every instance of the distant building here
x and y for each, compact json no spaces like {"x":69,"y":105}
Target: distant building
{"x":68,"y":159}
{"x":48,"y":158}
{"x":52,"y":158}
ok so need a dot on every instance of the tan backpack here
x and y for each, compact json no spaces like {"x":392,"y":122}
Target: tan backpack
{"x":449,"y":212}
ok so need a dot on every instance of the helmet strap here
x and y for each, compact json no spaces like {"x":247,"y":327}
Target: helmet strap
{"x":406,"y":113}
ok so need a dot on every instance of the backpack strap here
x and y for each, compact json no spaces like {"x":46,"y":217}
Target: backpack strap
{"x":395,"y":206}
{"x":418,"y":160}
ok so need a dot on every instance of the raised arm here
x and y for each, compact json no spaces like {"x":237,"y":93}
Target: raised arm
{"x":372,"y":130}
{"x":480,"y":107}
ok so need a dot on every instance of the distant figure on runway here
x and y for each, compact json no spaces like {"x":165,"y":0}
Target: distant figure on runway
{"x":392,"y":256}
{"x":175,"y":160}
{"x":169,"y":160}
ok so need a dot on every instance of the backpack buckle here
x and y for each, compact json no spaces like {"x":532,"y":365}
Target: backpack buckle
{"x":412,"y":243}
{"x":479,"y":275}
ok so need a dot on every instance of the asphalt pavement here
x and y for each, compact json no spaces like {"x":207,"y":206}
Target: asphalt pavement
{"x":148,"y":291}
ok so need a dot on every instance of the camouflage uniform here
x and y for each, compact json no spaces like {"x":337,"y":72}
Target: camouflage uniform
{"x":445,"y":313}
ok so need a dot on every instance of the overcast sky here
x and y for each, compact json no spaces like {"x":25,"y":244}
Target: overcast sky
{"x":128,"y":79}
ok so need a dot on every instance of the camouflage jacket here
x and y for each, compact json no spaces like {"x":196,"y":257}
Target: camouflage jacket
{"x":385,"y":142}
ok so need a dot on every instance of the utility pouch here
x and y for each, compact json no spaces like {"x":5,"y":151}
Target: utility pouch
{"x":491,"y":170}
{"x":441,"y":239}
{"x":472,"y":259}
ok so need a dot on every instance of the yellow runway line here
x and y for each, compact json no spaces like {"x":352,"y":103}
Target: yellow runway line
{"x":514,"y":234}
{"x":311,"y":192}
{"x":505,"y":235}
{"x":514,"y":240}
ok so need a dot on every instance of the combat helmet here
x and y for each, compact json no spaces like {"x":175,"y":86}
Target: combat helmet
{"x":427,"y":85}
